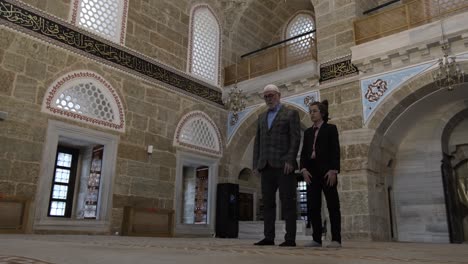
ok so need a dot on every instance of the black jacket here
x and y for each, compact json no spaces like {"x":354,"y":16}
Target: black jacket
{"x":327,"y":149}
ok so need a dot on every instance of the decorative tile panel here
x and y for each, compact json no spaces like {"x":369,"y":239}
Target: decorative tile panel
{"x":303,"y":101}
{"x":376,"y":88}
{"x":242,"y":116}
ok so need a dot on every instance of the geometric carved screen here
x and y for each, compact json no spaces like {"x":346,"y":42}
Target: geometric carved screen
{"x":204,"y":45}
{"x":86,"y":97}
{"x":196,"y":131}
{"x":104,"y":17}
{"x":300,"y":24}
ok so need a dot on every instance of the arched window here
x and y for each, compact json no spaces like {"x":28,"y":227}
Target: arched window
{"x":302,"y":47}
{"x":86,"y":97}
{"x":196,"y":131}
{"x":204,"y":48}
{"x":107,"y":18}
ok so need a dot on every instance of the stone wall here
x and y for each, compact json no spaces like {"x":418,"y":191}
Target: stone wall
{"x":160,"y":29}
{"x":335,"y":25}
{"x":257,"y":24}
{"x":345,"y":109}
{"x":152,"y":112}
{"x":58,"y":8}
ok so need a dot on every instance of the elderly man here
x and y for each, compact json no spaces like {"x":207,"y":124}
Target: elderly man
{"x":276,"y":145}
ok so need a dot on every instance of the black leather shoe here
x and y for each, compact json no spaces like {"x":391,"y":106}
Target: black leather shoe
{"x":288,"y":243}
{"x":265,"y":242}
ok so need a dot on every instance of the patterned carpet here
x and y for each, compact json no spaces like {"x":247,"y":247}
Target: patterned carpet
{"x":20,"y":260}
{"x":57,"y":249}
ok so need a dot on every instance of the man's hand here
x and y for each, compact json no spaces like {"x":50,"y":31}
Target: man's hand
{"x":307,"y":176}
{"x":288,"y":168}
{"x":256,"y":173}
{"x":330,"y":177}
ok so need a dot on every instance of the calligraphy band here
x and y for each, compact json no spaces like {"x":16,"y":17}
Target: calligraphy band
{"x":26,"y":20}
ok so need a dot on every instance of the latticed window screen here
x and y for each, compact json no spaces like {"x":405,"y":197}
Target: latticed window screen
{"x":88,"y":99}
{"x":300,"y":47}
{"x":198,"y":132}
{"x":204,"y":45}
{"x":102,"y":16}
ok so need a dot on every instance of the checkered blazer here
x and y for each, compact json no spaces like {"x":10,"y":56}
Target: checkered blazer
{"x":280,"y":143}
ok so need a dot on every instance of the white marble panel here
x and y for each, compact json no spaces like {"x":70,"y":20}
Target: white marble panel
{"x":418,"y":196}
{"x":459,"y":134}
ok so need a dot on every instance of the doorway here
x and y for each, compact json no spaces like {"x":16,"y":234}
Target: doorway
{"x":461,"y":187}
{"x":456,"y":191}
{"x":195,"y":193}
{"x":246,"y":212}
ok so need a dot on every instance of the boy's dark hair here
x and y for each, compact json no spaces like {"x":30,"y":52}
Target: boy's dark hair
{"x":323,"y":108}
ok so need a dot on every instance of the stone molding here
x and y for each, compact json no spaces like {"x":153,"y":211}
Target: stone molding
{"x":412,"y":46}
{"x":55,"y":131}
{"x":190,"y":159}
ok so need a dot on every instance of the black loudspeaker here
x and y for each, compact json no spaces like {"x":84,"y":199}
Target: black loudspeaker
{"x":227,"y":210}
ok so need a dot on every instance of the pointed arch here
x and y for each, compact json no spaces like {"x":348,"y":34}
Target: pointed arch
{"x":247,"y":129}
{"x":87,"y":97}
{"x":196,"y":131}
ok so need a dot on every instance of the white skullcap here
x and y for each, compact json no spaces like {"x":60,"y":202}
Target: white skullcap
{"x":271,"y":88}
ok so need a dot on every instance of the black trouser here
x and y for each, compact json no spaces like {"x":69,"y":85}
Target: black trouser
{"x":314,"y":198}
{"x":272,"y":179}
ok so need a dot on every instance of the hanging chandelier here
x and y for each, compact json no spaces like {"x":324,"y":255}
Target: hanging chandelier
{"x":235,"y":103}
{"x":448,"y":74}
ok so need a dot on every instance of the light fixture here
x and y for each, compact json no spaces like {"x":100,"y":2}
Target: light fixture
{"x":449,"y":73}
{"x":235,"y":102}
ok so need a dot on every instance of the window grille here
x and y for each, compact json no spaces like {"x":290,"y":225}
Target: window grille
{"x":104,"y":17}
{"x":300,"y":47}
{"x":85,"y":97}
{"x":198,"y":132}
{"x":204,"y":45}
